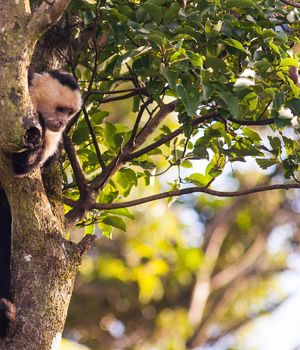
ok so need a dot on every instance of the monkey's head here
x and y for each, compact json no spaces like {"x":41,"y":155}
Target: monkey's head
{"x":56,"y":96}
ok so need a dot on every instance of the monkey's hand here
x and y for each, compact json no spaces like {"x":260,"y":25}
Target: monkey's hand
{"x":32,"y":137}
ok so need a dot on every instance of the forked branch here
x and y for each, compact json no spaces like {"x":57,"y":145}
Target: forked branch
{"x":46,"y":16}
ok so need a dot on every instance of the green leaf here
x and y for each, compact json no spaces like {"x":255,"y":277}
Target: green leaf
{"x":265,"y":163}
{"x":282,"y":123}
{"x":287,"y":62}
{"x":215,"y":63}
{"x":171,"y":76}
{"x":268,"y":33}
{"x":155,"y":88}
{"x":136,"y":104}
{"x":89,"y":229}
{"x":289,"y":144}
{"x":121,"y":211}
{"x":99,"y":116}
{"x":110,"y":134}
{"x":216,"y":166}
{"x":254,"y":136}
{"x":275,"y":144}
{"x":171,"y":12}
{"x":234,"y":43}
{"x":186,"y":164}
{"x":81,"y":135}
{"x":294,"y":105}
{"x":195,"y":58}
{"x":274,"y":48}
{"x":127,"y":177}
{"x":200,"y":152}
{"x":239,"y":3}
{"x":106,"y":230}
{"x":278,"y":101}
{"x":115,"y":221}
{"x":229,"y":99}
{"x":154,"y":11}
{"x":198,"y":179}
{"x":190,"y":97}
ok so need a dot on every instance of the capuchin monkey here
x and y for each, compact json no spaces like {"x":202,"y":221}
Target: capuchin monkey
{"x":56,"y":97}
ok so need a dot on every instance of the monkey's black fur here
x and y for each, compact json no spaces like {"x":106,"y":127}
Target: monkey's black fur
{"x":5,"y":262}
{"x":26,"y":161}
{"x":64,"y":79}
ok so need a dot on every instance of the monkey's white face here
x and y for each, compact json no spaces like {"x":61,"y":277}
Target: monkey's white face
{"x":56,"y":103}
{"x":56,"y":120}
{"x":56,"y":97}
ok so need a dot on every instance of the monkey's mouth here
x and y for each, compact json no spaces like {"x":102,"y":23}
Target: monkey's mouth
{"x":55,"y":125}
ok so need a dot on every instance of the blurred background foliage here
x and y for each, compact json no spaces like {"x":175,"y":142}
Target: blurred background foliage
{"x":181,"y":94}
{"x":216,"y":263}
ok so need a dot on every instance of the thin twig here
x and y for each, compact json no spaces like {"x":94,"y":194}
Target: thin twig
{"x":137,"y":122}
{"x":264,"y":110}
{"x":75,"y":164}
{"x":137,"y":84}
{"x":252,"y":122}
{"x":291,"y":3}
{"x":94,"y":138}
{"x":118,"y":98}
{"x":113,"y":92}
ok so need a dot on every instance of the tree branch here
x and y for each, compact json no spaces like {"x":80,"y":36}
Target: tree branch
{"x":164,"y":110}
{"x":101,"y":180}
{"x":215,"y":235}
{"x":170,"y":136}
{"x":86,"y":203}
{"x":189,"y":190}
{"x":239,"y":267}
{"x":216,"y":311}
{"x":195,"y":122}
{"x":291,"y":3}
{"x":252,"y":122}
{"x":137,"y":122}
{"x":46,"y":16}
{"x":85,"y":244}
{"x":126,"y":154}
{"x":118,"y":98}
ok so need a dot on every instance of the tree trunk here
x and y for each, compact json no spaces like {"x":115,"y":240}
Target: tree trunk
{"x":44,"y":264}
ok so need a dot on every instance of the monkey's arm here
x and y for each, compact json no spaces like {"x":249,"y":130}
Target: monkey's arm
{"x":25,"y":161}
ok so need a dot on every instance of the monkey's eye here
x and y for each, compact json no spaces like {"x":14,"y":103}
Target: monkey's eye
{"x":61,"y":109}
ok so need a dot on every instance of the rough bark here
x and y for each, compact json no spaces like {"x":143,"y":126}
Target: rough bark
{"x":44,"y":263}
